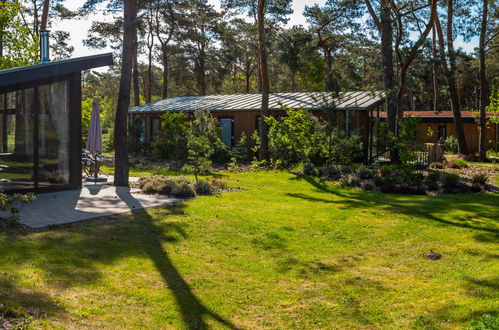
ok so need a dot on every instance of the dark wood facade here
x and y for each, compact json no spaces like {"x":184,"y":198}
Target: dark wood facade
{"x":40,"y":125}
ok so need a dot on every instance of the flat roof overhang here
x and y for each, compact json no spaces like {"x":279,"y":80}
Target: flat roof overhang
{"x":30,"y":73}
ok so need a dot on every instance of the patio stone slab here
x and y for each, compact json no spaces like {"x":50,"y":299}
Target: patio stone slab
{"x":92,"y":201}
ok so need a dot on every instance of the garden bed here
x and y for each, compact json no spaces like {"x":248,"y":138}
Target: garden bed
{"x":440,"y":179}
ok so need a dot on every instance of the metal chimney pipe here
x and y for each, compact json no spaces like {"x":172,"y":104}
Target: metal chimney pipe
{"x":44,"y":46}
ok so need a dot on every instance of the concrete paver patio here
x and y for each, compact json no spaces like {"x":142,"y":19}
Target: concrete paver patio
{"x":92,"y":201}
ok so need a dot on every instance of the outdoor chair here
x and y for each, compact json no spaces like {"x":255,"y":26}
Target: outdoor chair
{"x":91,"y":164}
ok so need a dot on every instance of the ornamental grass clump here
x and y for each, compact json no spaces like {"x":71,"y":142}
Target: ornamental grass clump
{"x":457,"y":163}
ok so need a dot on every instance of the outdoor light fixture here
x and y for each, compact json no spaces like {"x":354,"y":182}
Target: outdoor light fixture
{"x":44,"y":46}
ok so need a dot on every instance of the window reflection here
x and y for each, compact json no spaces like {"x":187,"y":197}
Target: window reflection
{"x":17,"y":140}
{"x":53,"y":148}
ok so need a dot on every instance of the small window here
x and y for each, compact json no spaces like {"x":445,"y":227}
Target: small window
{"x":226,"y":130}
{"x":442,"y":132}
{"x":154,"y":129}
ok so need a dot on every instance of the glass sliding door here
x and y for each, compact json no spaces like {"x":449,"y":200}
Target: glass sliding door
{"x":53,"y":134}
{"x":17,"y":151}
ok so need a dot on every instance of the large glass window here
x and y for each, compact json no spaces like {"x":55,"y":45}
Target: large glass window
{"x":17,"y":140}
{"x":35,"y":137}
{"x":53,"y":136}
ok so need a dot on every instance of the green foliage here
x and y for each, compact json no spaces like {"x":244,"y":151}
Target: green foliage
{"x":20,"y":46}
{"x":450,"y":145}
{"x":175,"y":128}
{"x":176,"y":186}
{"x":255,"y":137}
{"x":450,"y":180}
{"x":199,"y":150}
{"x":300,"y":137}
{"x":457,"y":163}
{"x":486,"y":322}
{"x":292,"y":138}
{"x":405,"y":144}
{"x":493,"y":107}
{"x":13,"y":203}
{"x":203,"y":187}
{"x":338,"y":147}
{"x":232,"y":166}
{"x":480,"y":178}
{"x":241,"y":150}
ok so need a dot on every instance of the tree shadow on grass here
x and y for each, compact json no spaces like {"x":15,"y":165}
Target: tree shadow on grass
{"x":70,"y":256}
{"x":481,"y":211}
{"x":191,"y":307}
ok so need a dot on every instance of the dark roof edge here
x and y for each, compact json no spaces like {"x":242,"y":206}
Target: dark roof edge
{"x":35,"y":72}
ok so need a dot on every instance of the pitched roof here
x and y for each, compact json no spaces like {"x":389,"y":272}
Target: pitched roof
{"x":252,"y":102}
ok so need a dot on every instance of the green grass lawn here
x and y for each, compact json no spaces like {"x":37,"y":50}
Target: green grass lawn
{"x":286,"y":252}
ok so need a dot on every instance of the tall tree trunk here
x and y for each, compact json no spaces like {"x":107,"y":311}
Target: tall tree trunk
{"x":120,"y":125}
{"x":293,"y":81}
{"x":136,"y":86}
{"x":330,"y":85}
{"x":449,"y":72}
{"x":264,"y":133}
{"x":386,"y":30}
{"x":149,"y":77}
{"x":247,"y":74}
{"x":434,"y":68}
{"x":45,"y":15}
{"x":484,"y":85}
{"x":165,"y":73}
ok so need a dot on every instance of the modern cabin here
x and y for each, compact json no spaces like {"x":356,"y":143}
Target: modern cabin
{"x":40,"y":124}
{"x":442,"y":126}
{"x":240,"y":113}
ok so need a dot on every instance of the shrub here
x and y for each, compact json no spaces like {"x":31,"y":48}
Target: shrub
{"x":389,"y":188}
{"x":164,"y":149}
{"x":232,"y":166}
{"x":480,"y":178}
{"x":203,"y":187}
{"x":200,"y":149}
{"x":433,"y":176}
{"x":368,"y":186}
{"x":457,"y":163}
{"x":432,"y":179}
{"x":450,"y":145}
{"x":350,"y":180}
{"x":309,"y":169}
{"x":450,"y":181}
{"x":218,"y":184}
{"x":8,"y":203}
{"x":184,"y":190}
{"x":387,"y":170}
{"x":403,"y":188}
{"x":436,"y":165}
{"x":364,"y":173}
{"x":329,"y":173}
{"x":340,"y":148}
{"x":240,"y":151}
{"x":380,"y":180}
{"x":476,"y":188}
{"x":292,"y":138}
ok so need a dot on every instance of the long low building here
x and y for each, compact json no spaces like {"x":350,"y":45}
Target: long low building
{"x":442,"y":126}
{"x":240,"y":113}
{"x":351,"y":111}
